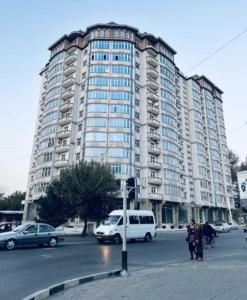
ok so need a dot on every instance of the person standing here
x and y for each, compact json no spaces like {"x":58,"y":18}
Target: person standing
{"x":199,"y":242}
{"x":191,"y":237}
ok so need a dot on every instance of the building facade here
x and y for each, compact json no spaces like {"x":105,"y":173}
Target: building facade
{"x":114,"y":95}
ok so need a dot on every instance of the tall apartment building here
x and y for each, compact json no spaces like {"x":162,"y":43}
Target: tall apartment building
{"x":115,"y":95}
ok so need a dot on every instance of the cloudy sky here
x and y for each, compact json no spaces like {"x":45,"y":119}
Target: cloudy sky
{"x":194,"y":28}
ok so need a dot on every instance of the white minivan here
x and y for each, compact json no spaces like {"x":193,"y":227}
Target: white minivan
{"x":140,"y":225}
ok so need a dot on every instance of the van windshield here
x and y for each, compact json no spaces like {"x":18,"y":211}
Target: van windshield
{"x":111,"y":220}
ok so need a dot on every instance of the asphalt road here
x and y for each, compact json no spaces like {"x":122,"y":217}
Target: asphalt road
{"x":26,"y":270}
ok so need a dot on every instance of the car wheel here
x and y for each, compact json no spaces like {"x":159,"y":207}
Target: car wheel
{"x":117,"y":239}
{"x":10,"y":244}
{"x":148,"y":237}
{"x":52,"y":242}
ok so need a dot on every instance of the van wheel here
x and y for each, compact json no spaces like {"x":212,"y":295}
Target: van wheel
{"x":117,"y":239}
{"x":148,"y":237}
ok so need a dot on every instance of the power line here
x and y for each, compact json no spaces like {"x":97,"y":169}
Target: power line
{"x":216,"y":51}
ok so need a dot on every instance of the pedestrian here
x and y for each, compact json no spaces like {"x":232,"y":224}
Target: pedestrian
{"x":199,"y":242}
{"x":191,"y":228}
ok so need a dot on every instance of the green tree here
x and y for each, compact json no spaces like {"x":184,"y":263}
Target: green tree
{"x":86,"y":190}
{"x":234,"y":167}
{"x":53,"y":208}
{"x":13,"y":201}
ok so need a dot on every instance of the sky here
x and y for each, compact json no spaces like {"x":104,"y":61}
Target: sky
{"x":194,"y":28}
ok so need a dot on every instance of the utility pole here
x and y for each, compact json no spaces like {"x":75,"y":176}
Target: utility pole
{"x":129,"y":190}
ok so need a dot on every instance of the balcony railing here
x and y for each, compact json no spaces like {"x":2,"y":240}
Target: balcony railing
{"x":152,"y":61}
{"x":60,"y":163}
{"x":69,"y":70}
{"x":154,"y":150}
{"x":152,"y":84}
{"x":152,"y":196}
{"x":154,"y":123}
{"x":153,"y":73}
{"x":153,"y":136}
{"x":68,"y":82}
{"x":155,"y":180}
{"x":62,"y":148}
{"x":70,"y":59}
{"x":153,"y":97}
{"x":153,"y":109}
{"x":64,"y":133}
{"x":66,"y":106}
{"x":154,"y":165}
{"x":65,"y":120}
{"x":67,"y":94}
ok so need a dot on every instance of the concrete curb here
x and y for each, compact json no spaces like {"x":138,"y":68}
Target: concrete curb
{"x":59,"y":287}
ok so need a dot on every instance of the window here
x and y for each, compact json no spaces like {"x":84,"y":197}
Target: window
{"x":168,"y":120}
{"x":168,"y":95}
{"x":119,"y":137}
{"x":32,"y":229}
{"x":125,"y":123}
{"x":118,"y":81}
{"x":117,"y":108}
{"x":137,"y":143}
{"x":120,"y":95}
{"x":98,"y":81}
{"x":96,"y":136}
{"x":137,"y":65}
{"x":116,"y":152}
{"x":100,"y":56}
{"x":44,"y":228}
{"x":146,"y":219}
{"x":169,"y":108}
{"x":168,"y":132}
{"x":137,"y":102}
{"x":97,"y":108}
{"x":134,"y":219}
{"x":137,"y":157}
{"x":98,"y":122}
{"x":77,"y":156}
{"x":137,"y":53}
{"x":137,"y":90}
{"x":100,"y":44}
{"x":98,"y":94}
{"x":137,"y":128}
{"x":121,"y":56}
{"x":122,"y":69}
{"x":81,"y":114}
{"x":137,"y":77}
{"x":99,"y":68}
{"x":78,"y":142}
{"x":137,"y":115}
{"x":80,"y":127}
{"x":121,"y":45}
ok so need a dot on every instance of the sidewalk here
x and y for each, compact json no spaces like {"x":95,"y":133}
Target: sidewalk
{"x":190,"y":280}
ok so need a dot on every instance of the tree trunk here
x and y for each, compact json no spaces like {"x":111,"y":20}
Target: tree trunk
{"x":84,"y":232}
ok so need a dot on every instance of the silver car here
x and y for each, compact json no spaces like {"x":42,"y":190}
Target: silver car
{"x":31,"y":234}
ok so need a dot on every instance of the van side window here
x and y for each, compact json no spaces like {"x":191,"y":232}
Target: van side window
{"x":134,"y":220}
{"x":146,"y":220}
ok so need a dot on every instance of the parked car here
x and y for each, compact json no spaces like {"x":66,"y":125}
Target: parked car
{"x":140,"y":225}
{"x":233,"y":226}
{"x":31,"y":234}
{"x":7,"y":226}
{"x":221,"y":227}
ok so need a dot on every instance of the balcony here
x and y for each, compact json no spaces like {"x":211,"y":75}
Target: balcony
{"x":152,"y":61}
{"x":63,"y":133}
{"x":66,"y":106}
{"x":155,"y":180}
{"x":60,"y":163}
{"x":154,"y":150}
{"x":67,"y":94}
{"x":62,"y":148}
{"x":153,"y":97}
{"x":153,"y":136}
{"x":152,"y":84}
{"x":153,"y":73}
{"x":68,"y":82}
{"x":154,"y":123}
{"x":69,"y":70}
{"x":158,"y":197}
{"x":155,"y":165}
{"x":153,"y":109}
{"x":70,"y":59}
{"x":65,"y":120}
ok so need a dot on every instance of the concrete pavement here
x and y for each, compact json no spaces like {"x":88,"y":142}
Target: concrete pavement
{"x":219,"y":278}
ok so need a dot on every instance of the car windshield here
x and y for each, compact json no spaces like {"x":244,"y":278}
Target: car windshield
{"x":20,"y":228}
{"x":111,"y":220}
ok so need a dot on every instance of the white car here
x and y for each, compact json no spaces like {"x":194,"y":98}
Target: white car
{"x":221,"y":227}
{"x":233,"y":226}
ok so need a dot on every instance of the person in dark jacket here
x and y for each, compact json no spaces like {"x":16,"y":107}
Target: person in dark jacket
{"x":208,"y":231}
{"x":198,"y":242}
{"x":191,"y":228}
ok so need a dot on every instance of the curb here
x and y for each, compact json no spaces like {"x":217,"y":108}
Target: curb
{"x":59,"y":287}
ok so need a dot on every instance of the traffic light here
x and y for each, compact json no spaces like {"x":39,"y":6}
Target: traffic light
{"x":131,"y":186}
